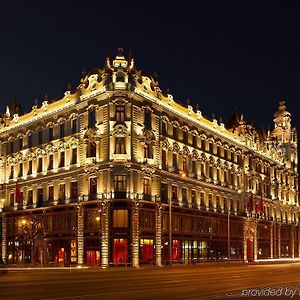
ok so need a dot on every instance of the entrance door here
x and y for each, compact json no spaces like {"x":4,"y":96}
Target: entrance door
{"x":61,"y":256}
{"x":249,"y":250}
{"x":92,"y":257}
{"x":120,"y":251}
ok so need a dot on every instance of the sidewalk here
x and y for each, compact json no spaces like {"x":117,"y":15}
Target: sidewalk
{"x":149,"y":266}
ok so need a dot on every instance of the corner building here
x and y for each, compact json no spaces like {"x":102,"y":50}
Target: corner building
{"x":97,"y":177}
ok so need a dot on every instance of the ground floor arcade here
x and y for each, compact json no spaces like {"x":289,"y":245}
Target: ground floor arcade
{"x":120,"y":233}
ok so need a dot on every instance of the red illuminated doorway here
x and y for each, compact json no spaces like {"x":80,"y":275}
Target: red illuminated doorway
{"x":93,"y":257}
{"x":250,"y":250}
{"x":61,"y":256}
{"x":146,"y":250}
{"x":120,"y":251}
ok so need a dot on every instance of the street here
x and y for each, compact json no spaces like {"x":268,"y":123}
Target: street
{"x":178,"y":282}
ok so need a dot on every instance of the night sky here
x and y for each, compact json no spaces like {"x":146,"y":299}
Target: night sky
{"x":222,"y":55}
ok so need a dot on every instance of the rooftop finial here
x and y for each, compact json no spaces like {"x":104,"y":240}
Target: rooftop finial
{"x":120,"y":52}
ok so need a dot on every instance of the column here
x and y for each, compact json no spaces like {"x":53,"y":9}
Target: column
{"x":279,"y":241}
{"x":293,"y":241}
{"x":271,"y":240}
{"x":104,"y":233}
{"x":4,"y":233}
{"x":255,"y":240}
{"x":80,"y":237}
{"x":158,"y":230}
{"x":135,"y":234}
{"x":245,"y":241}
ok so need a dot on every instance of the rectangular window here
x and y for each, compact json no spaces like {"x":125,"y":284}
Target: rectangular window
{"x":11,"y":199}
{"x":164,"y":128}
{"x":164,"y":159}
{"x":62,"y":191}
{"x":74,"y":125}
{"x":146,"y":186}
{"x":74,"y":190}
{"x":40,"y":137}
{"x":93,"y":186}
{"x":74,"y":156}
{"x":120,"y":113}
{"x":11,"y":147}
{"x":21,"y":170}
{"x":184,"y":164}
{"x":92,"y":118}
{"x":174,"y":161}
{"x":120,"y":183}
{"x":184,"y":194}
{"x":120,"y":218}
{"x":51,"y":193}
{"x":29,"y":168}
{"x":120,"y":145}
{"x":194,"y":167}
{"x":194,"y":196}
{"x":11,"y":175}
{"x":164,"y":193}
{"x":50,"y":131}
{"x":210,"y":203}
{"x":40,"y":165}
{"x":202,"y":198}
{"x":50,"y":165}
{"x":20,"y":144}
{"x":62,"y":159}
{"x":30,"y":140}
{"x":30,"y":197}
{"x":40,"y":194}
{"x":62,"y":130}
{"x":174,"y":193}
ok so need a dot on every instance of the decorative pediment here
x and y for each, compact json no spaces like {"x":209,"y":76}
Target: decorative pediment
{"x":148,"y":137}
{"x":120,"y":130}
{"x":176,"y":147}
{"x":185,"y":151}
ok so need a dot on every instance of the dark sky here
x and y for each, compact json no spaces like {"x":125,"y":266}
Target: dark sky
{"x":221,"y":54}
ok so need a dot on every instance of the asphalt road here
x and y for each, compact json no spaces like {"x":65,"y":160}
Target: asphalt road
{"x":185,"y":282}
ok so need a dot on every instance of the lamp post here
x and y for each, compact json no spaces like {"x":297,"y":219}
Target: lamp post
{"x":170,"y":231}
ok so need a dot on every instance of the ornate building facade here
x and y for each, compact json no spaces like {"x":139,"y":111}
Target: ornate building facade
{"x":99,"y":176}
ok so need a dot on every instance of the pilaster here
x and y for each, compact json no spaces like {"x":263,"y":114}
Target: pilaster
{"x":80,"y":237}
{"x":104,"y":233}
{"x":158,"y":235}
{"x":135,"y":234}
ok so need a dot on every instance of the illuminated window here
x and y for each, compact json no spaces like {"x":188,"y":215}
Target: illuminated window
{"x":120,"y":145}
{"x":146,"y":186}
{"x":120,"y":251}
{"x":120,"y":218}
{"x":120,"y":183}
{"x":120,"y":113}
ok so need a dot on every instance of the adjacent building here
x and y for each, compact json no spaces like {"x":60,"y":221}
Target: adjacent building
{"x":100,"y":175}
